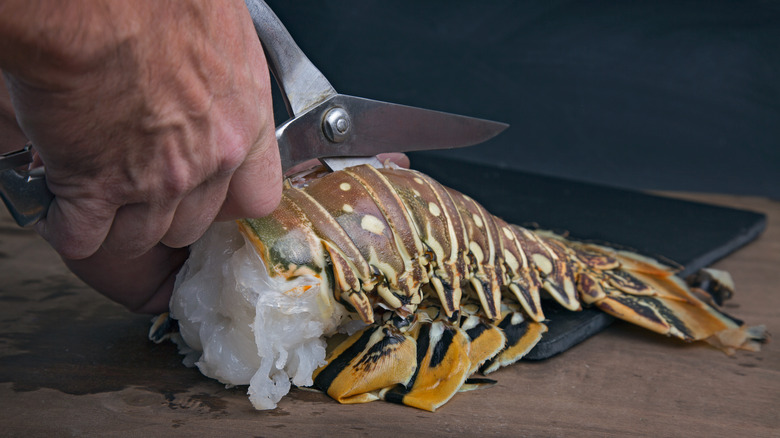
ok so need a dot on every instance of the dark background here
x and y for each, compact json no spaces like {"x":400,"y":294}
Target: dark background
{"x":680,"y":95}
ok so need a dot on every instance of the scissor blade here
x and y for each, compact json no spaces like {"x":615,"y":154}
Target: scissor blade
{"x":376,"y":127}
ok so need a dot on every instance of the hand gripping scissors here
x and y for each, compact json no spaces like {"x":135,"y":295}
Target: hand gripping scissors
{"x":338,"y":129}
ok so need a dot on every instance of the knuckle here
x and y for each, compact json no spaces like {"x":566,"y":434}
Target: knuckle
{"x":178,"y":180}
{"x":232,"y":154}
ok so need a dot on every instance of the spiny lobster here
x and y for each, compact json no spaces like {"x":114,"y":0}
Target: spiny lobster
{"x":443,"y":289}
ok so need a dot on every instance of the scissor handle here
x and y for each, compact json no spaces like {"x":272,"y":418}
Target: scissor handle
{"x":25,"y":194}
{"x":303,"y":85}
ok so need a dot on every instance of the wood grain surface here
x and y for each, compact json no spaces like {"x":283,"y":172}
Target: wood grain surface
{"x":73,"y":363}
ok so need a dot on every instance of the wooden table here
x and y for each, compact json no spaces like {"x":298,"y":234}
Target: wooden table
{"x":73,"y":363}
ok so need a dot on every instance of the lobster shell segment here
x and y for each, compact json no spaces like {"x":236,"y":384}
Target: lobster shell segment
{"x":441,"y":230}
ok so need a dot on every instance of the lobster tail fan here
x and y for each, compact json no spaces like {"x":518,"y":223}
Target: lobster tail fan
{"x":642,"y":291}
{"x":697,"y":316}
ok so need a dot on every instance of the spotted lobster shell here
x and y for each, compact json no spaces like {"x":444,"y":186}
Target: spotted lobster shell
{"x":447,"y":290}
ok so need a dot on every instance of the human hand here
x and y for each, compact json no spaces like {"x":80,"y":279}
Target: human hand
{"x":152,"y":118}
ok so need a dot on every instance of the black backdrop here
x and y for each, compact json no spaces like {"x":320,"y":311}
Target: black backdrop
{"x":664,"y":94}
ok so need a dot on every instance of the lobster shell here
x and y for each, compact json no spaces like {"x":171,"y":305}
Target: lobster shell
{"x":447,"y":290}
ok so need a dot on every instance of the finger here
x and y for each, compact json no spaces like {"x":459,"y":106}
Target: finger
{"x":398,"y":158}
{"x":196,"y":212}
{"x":76,"y":229}
{"x":159,"y":301}
{"x":256,"y":186}
{"x":300,"y":167}
{"x":137,"y":228}
{"x":159,"y":267}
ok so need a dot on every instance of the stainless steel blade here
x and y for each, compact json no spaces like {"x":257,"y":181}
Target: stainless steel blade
{"x":371,"y":127}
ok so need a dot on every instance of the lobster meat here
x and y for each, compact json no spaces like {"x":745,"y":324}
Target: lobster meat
{"x":417,"y":288}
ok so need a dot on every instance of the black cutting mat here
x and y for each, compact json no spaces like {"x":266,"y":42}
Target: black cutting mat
{"x":691,"y":234}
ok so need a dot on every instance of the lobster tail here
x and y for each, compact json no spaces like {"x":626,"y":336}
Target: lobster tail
{"x":444,"y":289}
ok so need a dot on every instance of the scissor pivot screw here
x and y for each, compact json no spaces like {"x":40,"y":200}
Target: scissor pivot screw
{"x":336,"y":125}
